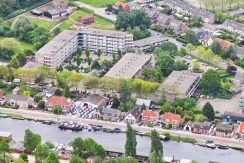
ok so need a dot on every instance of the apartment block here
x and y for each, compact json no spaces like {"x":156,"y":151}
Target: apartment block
{"x":66,"y":43}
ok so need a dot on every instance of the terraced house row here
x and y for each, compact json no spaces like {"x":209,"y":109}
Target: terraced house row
{"x":66,"y":43}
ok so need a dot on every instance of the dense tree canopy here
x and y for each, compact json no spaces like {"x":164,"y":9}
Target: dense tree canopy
{"x":210,"y":82}
{"x":166,"y":63}
{"x":31,"y":140}
{"x":130,"y":146}
{"x":208,"y":111}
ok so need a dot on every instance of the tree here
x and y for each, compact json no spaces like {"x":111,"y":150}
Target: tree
{"x":208,"y":111}
{"x":14,"y":63}
{"x":24,"y":156}
{"x":4,"y":152}
{"x":130,"y":146}
{"x":169,"y":47}
{"x":123,"y":160}
{"x":216,"y":48}
{"x":75,"y":159}
{"x":197,"y":21}
{"x":41,"y":104}
{"x":37,"y":98}
{"x":156,"y":144}
{"x":123,"y":21}
{"x":41,"y":153}
{"x":220,"y":16}
{"x":155,"y":157}
{"x":229,"y":52}
{"x":21,"y":26}
{"x":52,"y":158}
{"x":181,"y":65}
{"x":210,"y":82}
{"x":157,"y":51}
{"x":78,"y":147}
{"x":190,"y":37}
{"x":31,"y":140}
{"x":166,"y":63}
{"x":57,"y":109}
{"x":109,"y":8}
{"x":99,"y":52}
{"x":125,"y":94}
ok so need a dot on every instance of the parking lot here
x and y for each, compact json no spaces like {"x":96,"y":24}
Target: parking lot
{"x":82,"y":110}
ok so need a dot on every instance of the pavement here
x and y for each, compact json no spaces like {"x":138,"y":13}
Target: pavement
{"x":99,"y":11}
{"x":122,"y":126}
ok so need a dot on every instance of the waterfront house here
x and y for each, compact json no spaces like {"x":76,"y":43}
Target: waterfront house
{"x":199,"y":127}
{"x":241,"y":130}
{"x":96,"y":101}
{"x":5,"y":136}
{"x":19,"y":100}
{"x":50,"y":92}
{"x":150,"y":117}
{"x":110,"y":114}
{"x":233,"y":117}
{"x":133,"y":116}
{"x":171,"y":119}
{"x":64,"y":103}
{"x":224,"y":130}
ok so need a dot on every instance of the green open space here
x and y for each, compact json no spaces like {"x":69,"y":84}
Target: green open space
{"x":23,"y":45}
{"x":99,"y":23}
{"x":47,"y":24}
{"x":99,"y":3}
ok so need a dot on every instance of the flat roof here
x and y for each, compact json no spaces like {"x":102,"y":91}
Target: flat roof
{"x":182,"y":80}
{"x":100,"y":32}
{"x":32,"y":65}
{"x":150,"y":41}
{"x":59,"y":41}
{"x":5,"y":134}
{"x":128,"y":65}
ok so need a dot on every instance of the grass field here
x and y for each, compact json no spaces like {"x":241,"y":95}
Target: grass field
{"x":23,"y":45}
{"x":101,"y":3}
{"x":41,"y":22}
{"x":99,"y":22}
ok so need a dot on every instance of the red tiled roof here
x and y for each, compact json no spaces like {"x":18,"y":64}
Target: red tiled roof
{"x":223,"y":43}
{"x":206,"y":38}
{"x":241,"y":128}
{"x":125,"y":6}
{"x":172,"y":117}
{"x":57,"y":100}
{"x":1,"y":93}
{"x":150,"y":113}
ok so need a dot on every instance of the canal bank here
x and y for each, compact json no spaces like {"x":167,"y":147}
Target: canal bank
{"x":116,"y":141}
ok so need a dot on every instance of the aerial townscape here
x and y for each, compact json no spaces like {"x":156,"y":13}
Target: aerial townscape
{"x":122,"y":81}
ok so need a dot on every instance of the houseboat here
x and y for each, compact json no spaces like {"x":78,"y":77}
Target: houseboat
{"x":70,"y":126}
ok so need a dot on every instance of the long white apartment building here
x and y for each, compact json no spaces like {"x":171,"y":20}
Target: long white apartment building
{"x":66,"y":43}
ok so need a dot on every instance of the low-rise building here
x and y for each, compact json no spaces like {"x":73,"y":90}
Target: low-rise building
{"x":149,"y":42}
{"x":122,"y":5}
{"x":64,"y":103}
{"x":241,"y":130}
{"x":172,"y":120}
{"x":19,"y":100}
{"x":55,"y":12}
{"x":179,"y":84}
{"x":224,"y":130}
{"x":150,"y":117}
{"x":234,"y":26}
{"x":129,"y":65}
{"x":199,"y":127}
{"x":96,"y":101}
{"x":133,"y":116}
{"x":7,"y":136}
{"x":110,"y":114}
{"x":140,"y":102}
{"x":183,"y":6}
{"x":178,"y":26}
{"x":233,"y":117}
{"x":223,"y":43}
{"x":87,"y":19}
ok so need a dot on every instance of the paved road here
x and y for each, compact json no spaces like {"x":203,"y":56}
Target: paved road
{"x":122,"y":125}
{"x":99,"y":11}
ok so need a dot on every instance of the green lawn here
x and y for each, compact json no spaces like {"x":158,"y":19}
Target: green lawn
{"x":23,"y":45}
{"x":99,"y":22}
{"x":41,"y":22}
{"x":101,"y":3}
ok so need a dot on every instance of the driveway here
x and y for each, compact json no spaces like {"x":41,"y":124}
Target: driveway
{"x":99,"y":11}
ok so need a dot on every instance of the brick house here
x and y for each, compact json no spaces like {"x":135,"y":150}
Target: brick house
{"x":241,"y":130}
{"x":199,"y":127}
{"x":224,"y":130}
{"x":124,"y":6}
{"x":172,"y":119}
{"x":87,"y":19}
{"x":63,"y":102}
{"x":150,"y":117}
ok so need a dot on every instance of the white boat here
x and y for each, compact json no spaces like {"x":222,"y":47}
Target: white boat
{"x":211,"y":145}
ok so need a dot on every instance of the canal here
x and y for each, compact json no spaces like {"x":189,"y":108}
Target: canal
{"x":116,"y":141}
